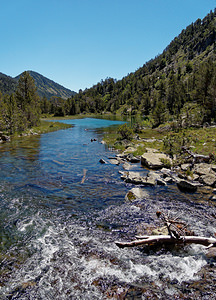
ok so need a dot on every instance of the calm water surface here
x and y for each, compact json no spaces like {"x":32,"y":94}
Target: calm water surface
{"x":61,"y":211}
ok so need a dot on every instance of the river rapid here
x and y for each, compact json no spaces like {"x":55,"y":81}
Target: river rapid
{"x":61,"y":212}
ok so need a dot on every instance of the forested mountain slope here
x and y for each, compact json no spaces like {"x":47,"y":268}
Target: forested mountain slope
{"x":7,"y":84}
{"x":180,"y":80}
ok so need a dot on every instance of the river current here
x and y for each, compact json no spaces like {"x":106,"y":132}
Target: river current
{"x":61,"y":212}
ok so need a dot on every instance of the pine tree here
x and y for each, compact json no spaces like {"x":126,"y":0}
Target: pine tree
{"x":28,"y":100}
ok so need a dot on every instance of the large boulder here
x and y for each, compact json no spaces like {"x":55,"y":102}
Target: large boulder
{"x":154,"y":160}
{"x":136,"y":193}
{"x":136,"y":178}
{"x":208,"y":179}
{"x":202,"y":168}
{"x":154,"y":178}
{"x":114,"y":161}
{"x":187,"y":186}
{"x":132,"y":177}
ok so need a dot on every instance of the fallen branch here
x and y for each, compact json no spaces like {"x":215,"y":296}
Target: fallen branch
{"x":197,"y":158}
{"x":84,"y":176}
{"x":167,"y":239}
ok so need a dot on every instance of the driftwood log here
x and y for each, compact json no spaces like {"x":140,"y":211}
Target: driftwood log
{"x":178,"y":234}
{"x":167,"y":239}
{"x":197,"y":158}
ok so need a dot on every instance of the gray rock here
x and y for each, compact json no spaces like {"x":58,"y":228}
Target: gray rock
{"x":186,"y":186}
{"x":150,"y":179}
{"x":134,"y":177}
{"x":123,"y":175}
{"x":133,"y":159}
{"x":205,"y":190}
{"x":154,"y":178}
{"x":208,"y":179}
{"x":195,"y":177}
{"x":160,"y":181}
{"x":185,"y":167}
{"x":166,"y":172}
{"x":136,"y":193}
{"x":169,"y":180}
{"x":182,"y":176}
{"x":211,"y":253}
{"x":114,"y":161}
{"x":121,"y":156}
{"x":202,"y":168}
{"x":126,"y":166}
{"x":131,"y":177}
{"x":153,"y":160}
{"x":151,"y":150}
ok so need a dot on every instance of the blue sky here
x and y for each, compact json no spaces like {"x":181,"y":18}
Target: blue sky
{"x":77,"y":43}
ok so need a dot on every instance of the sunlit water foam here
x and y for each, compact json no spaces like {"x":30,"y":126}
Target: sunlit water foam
{"x":62,"y":266}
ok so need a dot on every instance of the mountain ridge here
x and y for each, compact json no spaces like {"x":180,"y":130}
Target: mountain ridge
{"x":45,"y":86}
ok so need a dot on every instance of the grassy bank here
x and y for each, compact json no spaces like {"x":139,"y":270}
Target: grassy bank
{"x":199,"y":140}
{"x":49,"y":126}
{"x":44,"y":127}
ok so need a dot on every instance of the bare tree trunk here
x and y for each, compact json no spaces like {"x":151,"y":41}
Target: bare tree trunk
{"x":167,"y":239}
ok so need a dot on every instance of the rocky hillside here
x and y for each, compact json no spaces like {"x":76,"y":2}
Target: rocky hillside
{"x":45,"y":87}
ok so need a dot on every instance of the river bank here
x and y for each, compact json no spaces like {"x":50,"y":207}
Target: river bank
{"x":61,"y":212}
{"x":45,"y":126}
{"x":188,"y":157}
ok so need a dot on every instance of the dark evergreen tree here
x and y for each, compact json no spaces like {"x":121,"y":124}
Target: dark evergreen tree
{"x":28,"y":100}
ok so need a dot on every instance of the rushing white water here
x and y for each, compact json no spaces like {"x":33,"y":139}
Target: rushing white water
{"x":58,"y":231}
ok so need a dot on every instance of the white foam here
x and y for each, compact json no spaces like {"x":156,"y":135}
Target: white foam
{"x":24,"y":224}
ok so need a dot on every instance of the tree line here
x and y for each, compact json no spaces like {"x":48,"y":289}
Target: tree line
{"x":178,"y":85}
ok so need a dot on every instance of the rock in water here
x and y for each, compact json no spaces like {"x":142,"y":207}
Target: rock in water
{"x":136,"y":193}
{"x":154,"y":160}
{"x":187,"y":186}
{"x":102,"y":161}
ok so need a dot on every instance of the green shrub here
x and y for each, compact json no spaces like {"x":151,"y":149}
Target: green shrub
{"x":125,"y":132}
{"x":167,"y":163}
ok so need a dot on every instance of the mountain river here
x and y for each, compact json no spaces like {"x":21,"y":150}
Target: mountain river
{"x":61,"y":212}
